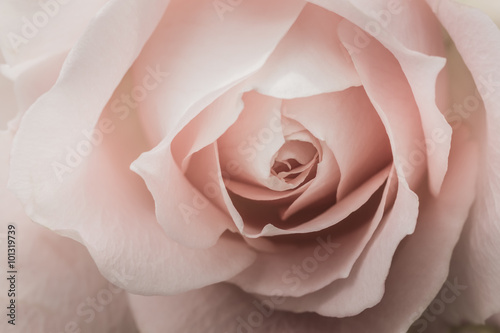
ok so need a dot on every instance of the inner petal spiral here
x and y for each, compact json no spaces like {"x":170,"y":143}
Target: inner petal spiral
{"x":294,"y":161}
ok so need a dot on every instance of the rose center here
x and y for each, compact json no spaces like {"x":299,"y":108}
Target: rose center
{"x":294,"y":161}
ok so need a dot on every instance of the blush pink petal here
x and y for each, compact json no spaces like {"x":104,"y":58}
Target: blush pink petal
{"x":391,"y":96}
{"x":66,"y":100}
{"x":334,"y":118}
{"x":309,"y":60}
{"x":56,"y":275}
{"x":84,"y":66}
{"x":299,"y":148}
{"x":206,"y":52}
{"x":420,"y":266}
{"x":243,"y":185}
{"x":491,"y":8}
{"x":23,"y":84}
{"x":332,"y":255}
{"x":207,"y":216}
{"x":191,"y":86}
{"x":335,"y":214}
{"x":183,"y":184}
{"x":107,"y":207}
{"x":31,"y":30}
{"x":196,"y":134}
{"x":323,"y":186}
{"x":100,"y":202}
{"x":476,"y":258}
{"x":420,"y":60}
{"x":191,"y":207}
{"x":36,"y":78}
{"x":9,"y":107}
{"x":259,"y":193}
{"x":364,"y":287}
{"x":220,"y":308}
{"x":402,"y":218}
{"x":254,"y":141}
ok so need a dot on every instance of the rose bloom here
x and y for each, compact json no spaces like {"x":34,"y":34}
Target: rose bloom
{"x":250,"y":166}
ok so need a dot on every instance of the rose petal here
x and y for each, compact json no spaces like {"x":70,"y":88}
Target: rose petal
{"x":187,"y":209}
{"x":401,"y":220}
{"x":56,"y":276}
{"x":192,"y":86}
{"x":333,"y":118}
{"x":31,"y":30}
{"x":323,"y":186}
{"x":420,"y":265}
{"x":394,"y":25}
{"x":307,"y":268}
{"x":309,"y":60}
{"x":220,"y":308}
{"x":259,"y":193}
{"x":254,"y":141}
{"x":331,"y":216}
{"x":37,"y":78}
{"x":121,"y":212}
{"x":101,"y":203}
{"x":341,"y":298}
{"x":490,"y":8}
{"x":394,"y":102}
{"x":192,"y":35}
{"x":84,"y":67}
{"x":196,"y":135}
{"x":254,"y":135}
{"x":9,"y":107}
{"x":476,"y":257}
{"x":205,"y":174}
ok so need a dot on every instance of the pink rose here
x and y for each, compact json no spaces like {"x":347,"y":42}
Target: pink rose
{"x":260,"y":166}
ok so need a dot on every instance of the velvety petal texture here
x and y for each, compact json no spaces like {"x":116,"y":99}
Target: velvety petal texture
{"x":491,"y":8}
{"x":57,"y":286}
{"x":77,"y":160}
{"x":393,"y":25}
{"x":9,"y":104}
{"x":475,"y":258}
{"x":31,"y":30}
{"x":309,"y":60}
{"x":220,"y":308}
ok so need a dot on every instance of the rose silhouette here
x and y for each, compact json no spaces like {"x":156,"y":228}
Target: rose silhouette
{"x":314,"y":163}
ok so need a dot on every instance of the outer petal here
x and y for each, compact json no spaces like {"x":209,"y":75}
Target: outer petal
{"x":96,"y":199}
{"x":56,"y":276}
{"x":8,"y":107}
{"x":32,"y":30}
{"x":28,"y":82}
{"x":395,"y":30}
{"x":476,"y":257}
{"x":492,"y":8}
{"x":420,"y":266}
{"x":107,"y":207}
{"x":220,"y":309}
{"x":205,"y":56}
